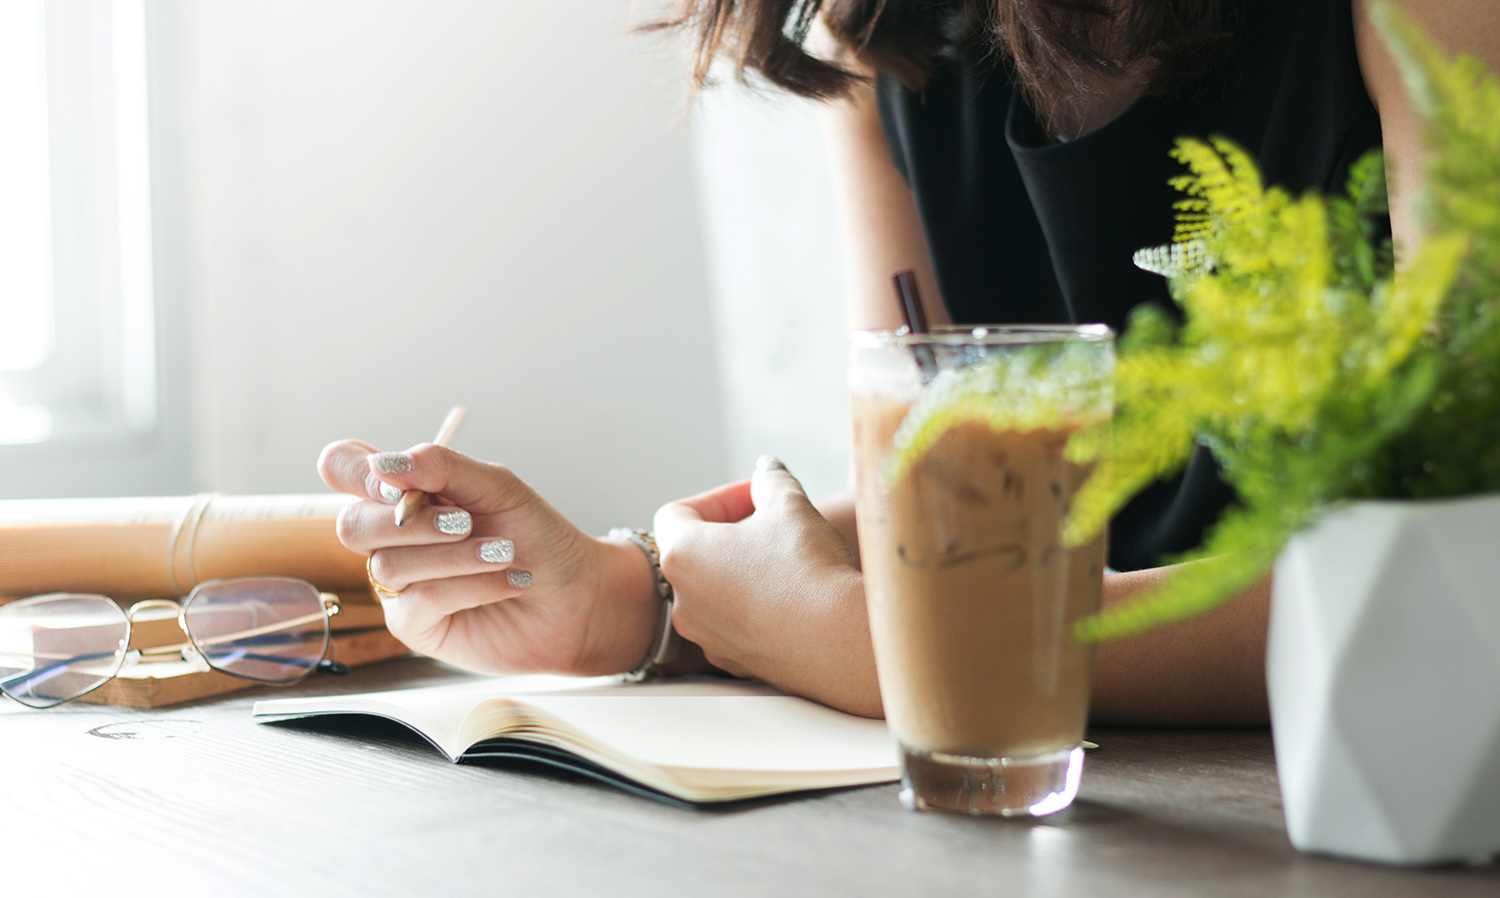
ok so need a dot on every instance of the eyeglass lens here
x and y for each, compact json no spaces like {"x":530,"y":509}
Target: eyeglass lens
{"x":57,"y":647}
{"x":271,"y":629}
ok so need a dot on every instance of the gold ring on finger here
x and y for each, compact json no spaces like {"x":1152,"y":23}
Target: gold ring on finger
{"x":381,"y":590}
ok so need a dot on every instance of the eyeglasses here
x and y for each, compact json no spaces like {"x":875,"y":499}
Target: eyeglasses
{"x":55,"y":648}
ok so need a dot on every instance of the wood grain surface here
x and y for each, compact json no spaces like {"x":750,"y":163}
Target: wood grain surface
{"x":198,"y":800}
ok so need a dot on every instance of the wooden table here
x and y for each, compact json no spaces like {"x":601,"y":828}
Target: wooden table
{"x":199,"y":801}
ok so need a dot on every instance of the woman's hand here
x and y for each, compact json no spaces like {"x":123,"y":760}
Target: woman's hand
{"x":768,"y":589}
{"x":489,"y":576}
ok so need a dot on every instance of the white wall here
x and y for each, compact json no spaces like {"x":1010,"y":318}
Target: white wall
{"x":770,"y":225}
{"x":394,"y":206}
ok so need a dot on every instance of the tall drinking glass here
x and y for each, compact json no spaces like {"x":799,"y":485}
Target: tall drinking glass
{"x":963,"y":485}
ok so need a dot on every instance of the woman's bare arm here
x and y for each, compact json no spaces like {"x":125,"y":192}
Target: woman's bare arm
{"x":878,"y":222}
{"x":1209,"y":670}
{"x":880,"y":235}
{"x":1457,"y":26}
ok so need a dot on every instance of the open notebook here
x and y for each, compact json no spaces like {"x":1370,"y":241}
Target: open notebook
{"x":693,"y":741}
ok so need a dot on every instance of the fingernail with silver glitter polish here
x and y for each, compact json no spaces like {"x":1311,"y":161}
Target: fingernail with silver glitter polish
{"x":454,"y":523}
{"x":390,"y":494}
{"x":392,"y":462}
{"x":769,"y":463}
{"x":519,"y":579}
{"x":497,"y":551}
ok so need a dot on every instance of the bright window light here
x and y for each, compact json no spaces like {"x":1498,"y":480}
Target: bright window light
{"x":133,"y":214}
{"x":77,"y":298}
{"x":25,"y":423}
{"x":25,"y":189}
{"x":93,"y":355}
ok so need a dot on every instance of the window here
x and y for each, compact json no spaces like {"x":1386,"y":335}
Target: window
{"x":26,"y":315}
{"x":80,"y":351}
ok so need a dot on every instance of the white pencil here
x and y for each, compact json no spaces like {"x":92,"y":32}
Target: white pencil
{"x":411,"y":500}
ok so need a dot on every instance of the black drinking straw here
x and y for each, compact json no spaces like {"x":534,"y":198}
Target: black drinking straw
{"x":916,"y":320}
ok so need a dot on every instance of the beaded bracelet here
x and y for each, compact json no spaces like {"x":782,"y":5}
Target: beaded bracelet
{"x":667,"y":644}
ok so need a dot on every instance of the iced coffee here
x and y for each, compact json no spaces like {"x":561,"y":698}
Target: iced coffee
{"x":963,"y":485}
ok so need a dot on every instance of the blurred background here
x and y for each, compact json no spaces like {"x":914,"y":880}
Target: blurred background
{"x":233,"y":231}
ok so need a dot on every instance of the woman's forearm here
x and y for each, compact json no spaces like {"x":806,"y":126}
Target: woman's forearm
{"x":1209,"y":670}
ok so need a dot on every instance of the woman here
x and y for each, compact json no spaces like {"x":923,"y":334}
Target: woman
{"x":1013,"y":153}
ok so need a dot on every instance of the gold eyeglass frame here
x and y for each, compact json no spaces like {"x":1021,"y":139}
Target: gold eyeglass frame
{"x":188,"y":650}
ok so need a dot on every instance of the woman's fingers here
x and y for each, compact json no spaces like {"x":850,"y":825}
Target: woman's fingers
{"x":366,"y":526}
{"x":479,"y":486}
{"x":344,"y":466}
{"x":400,"y":566}
{"x":357,"y":468}
{"x":422,"y":609}
{"x":725,"y":504}
{"x":673,"y":521}
{"x":771,"y":489}
{"x":772,"y":486}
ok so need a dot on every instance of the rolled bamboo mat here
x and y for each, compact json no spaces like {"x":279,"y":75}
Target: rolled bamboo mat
{"x":153,"y":547}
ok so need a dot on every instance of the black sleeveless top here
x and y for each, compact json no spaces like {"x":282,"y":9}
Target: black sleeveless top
{"x":1022,"y":229}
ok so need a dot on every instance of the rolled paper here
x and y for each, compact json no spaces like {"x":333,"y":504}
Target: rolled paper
{"x":152,"y":547}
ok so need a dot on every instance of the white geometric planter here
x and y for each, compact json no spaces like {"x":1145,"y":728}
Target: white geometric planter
{"x":1384,"y":676}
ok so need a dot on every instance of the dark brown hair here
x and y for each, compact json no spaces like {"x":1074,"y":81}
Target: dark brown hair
{"x":1057,"y":50}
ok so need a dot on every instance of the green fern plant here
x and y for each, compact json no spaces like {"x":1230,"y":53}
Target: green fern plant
{"x":1314,"y":369}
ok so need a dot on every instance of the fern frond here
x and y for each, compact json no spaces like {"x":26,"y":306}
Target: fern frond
{"x":1410,"y":307}
{"x":1174,"y":259}
{"x":1367,"y":186}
